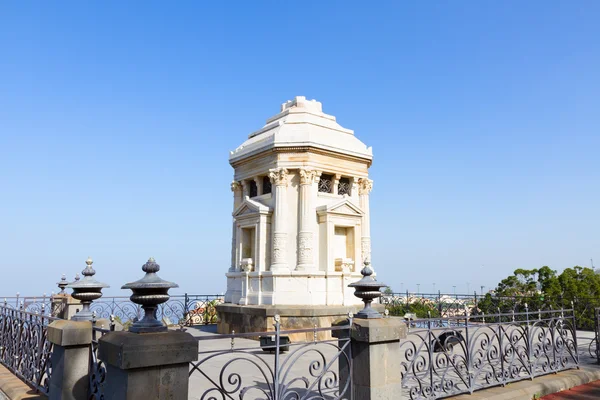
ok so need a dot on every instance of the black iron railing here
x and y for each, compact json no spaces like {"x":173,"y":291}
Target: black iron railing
{"x":183,"y":309}
{"x":24,"y":346}
{"x":447,"y":356}
{"x":235,"y":366}
{"x":449,"y":305}
{"x":33,"y":304}
{"x":97,"y":370}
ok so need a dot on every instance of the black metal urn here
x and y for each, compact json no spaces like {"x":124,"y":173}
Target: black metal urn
{"x":149,"y":292}
{"x":367,"y":289}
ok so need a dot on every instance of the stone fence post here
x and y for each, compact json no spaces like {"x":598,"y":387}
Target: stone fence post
{"x":374,"y":346}
{"x":149,"y":366}
{"x":376,"y":356}
{"x":70,"y":359}
{"x":64,"y":306}
{"x":149,"y":362}
{"x":376,"y":368}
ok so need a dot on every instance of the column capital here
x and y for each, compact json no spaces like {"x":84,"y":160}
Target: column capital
{"x":307,"y":176}
{"x":279,"y":176}
{"x":365,"y":185}
{"x":236,"y":186}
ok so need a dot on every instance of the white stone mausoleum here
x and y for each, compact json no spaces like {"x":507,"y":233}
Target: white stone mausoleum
{"x":300,"y":212}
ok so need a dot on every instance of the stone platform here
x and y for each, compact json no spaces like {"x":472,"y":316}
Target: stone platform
{"x":247,"y":319}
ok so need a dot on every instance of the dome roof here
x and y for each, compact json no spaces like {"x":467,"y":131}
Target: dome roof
{"x":302,"y":123}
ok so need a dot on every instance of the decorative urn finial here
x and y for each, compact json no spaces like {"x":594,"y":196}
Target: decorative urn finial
{"x":62,"y":284}
{"x":86,"y":290}
{"x":367,"y":289}
{"x":149,"y":292}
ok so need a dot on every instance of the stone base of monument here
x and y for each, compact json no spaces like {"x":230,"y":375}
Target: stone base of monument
{"x":248,"y":319}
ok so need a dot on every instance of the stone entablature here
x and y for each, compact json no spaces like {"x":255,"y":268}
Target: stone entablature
{"x":301,"y":211}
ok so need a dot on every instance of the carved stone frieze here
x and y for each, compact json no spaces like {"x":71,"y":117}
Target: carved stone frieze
{"x":279,"y":247}
{"x":365,"y":246}
{"x":305,"y":247}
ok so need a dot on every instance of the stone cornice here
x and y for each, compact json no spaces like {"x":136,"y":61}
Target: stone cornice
{"x":299,"y":149}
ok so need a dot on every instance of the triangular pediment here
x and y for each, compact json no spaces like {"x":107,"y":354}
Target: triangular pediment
{"x":346,"y":207}
{"x":250,"y":206}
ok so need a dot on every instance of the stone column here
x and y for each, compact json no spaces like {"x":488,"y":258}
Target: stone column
{"x":376,"y":358}
{"x":336,"y":183}
{"x":148,"y":366}
{"x":245,"y":188}
{"x":236,"y":188}
{"x":70,"y":359}
{"x":259,"y":185}
{"x":279,"y":177}
{"x":244,"y":299}
{"x":306,"y":218}
{"x":365,"y":186}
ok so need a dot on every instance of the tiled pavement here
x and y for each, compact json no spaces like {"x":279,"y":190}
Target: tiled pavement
{"x":13,"y":388}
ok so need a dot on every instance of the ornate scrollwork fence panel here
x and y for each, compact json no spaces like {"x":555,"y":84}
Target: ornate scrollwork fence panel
{"x":97,"y":374}
{"x":440,"y":305}
{"x":32,"y":304}
{"x":184,"y":309}
{"x":24,"y":347}
{"x":447,"y":356}
{"x":235,"y":367}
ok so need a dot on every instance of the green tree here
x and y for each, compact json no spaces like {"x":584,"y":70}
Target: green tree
{"x":419,"y":308}
{"x":543,"y":289}
{"x":581,"y":288}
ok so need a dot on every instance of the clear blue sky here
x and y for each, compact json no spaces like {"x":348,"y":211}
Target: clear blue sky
{"x":116,"y":122}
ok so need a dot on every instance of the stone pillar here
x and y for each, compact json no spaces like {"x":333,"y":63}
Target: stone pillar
{"x":58,"y":305}
{"x":279,"y":177}
{"x":376,"y":362}
{"x":149,"y":366}
{"x":245,"y":188}
{"x":64,"y":306}
{"x":259,"y":185}
{"x":365,"y":186}
{"x":236,"y":188}
{"x":246,"y":268}
{"x":336,"y":183}
{"x":70,"y":359}
{"x":306,"y":217}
